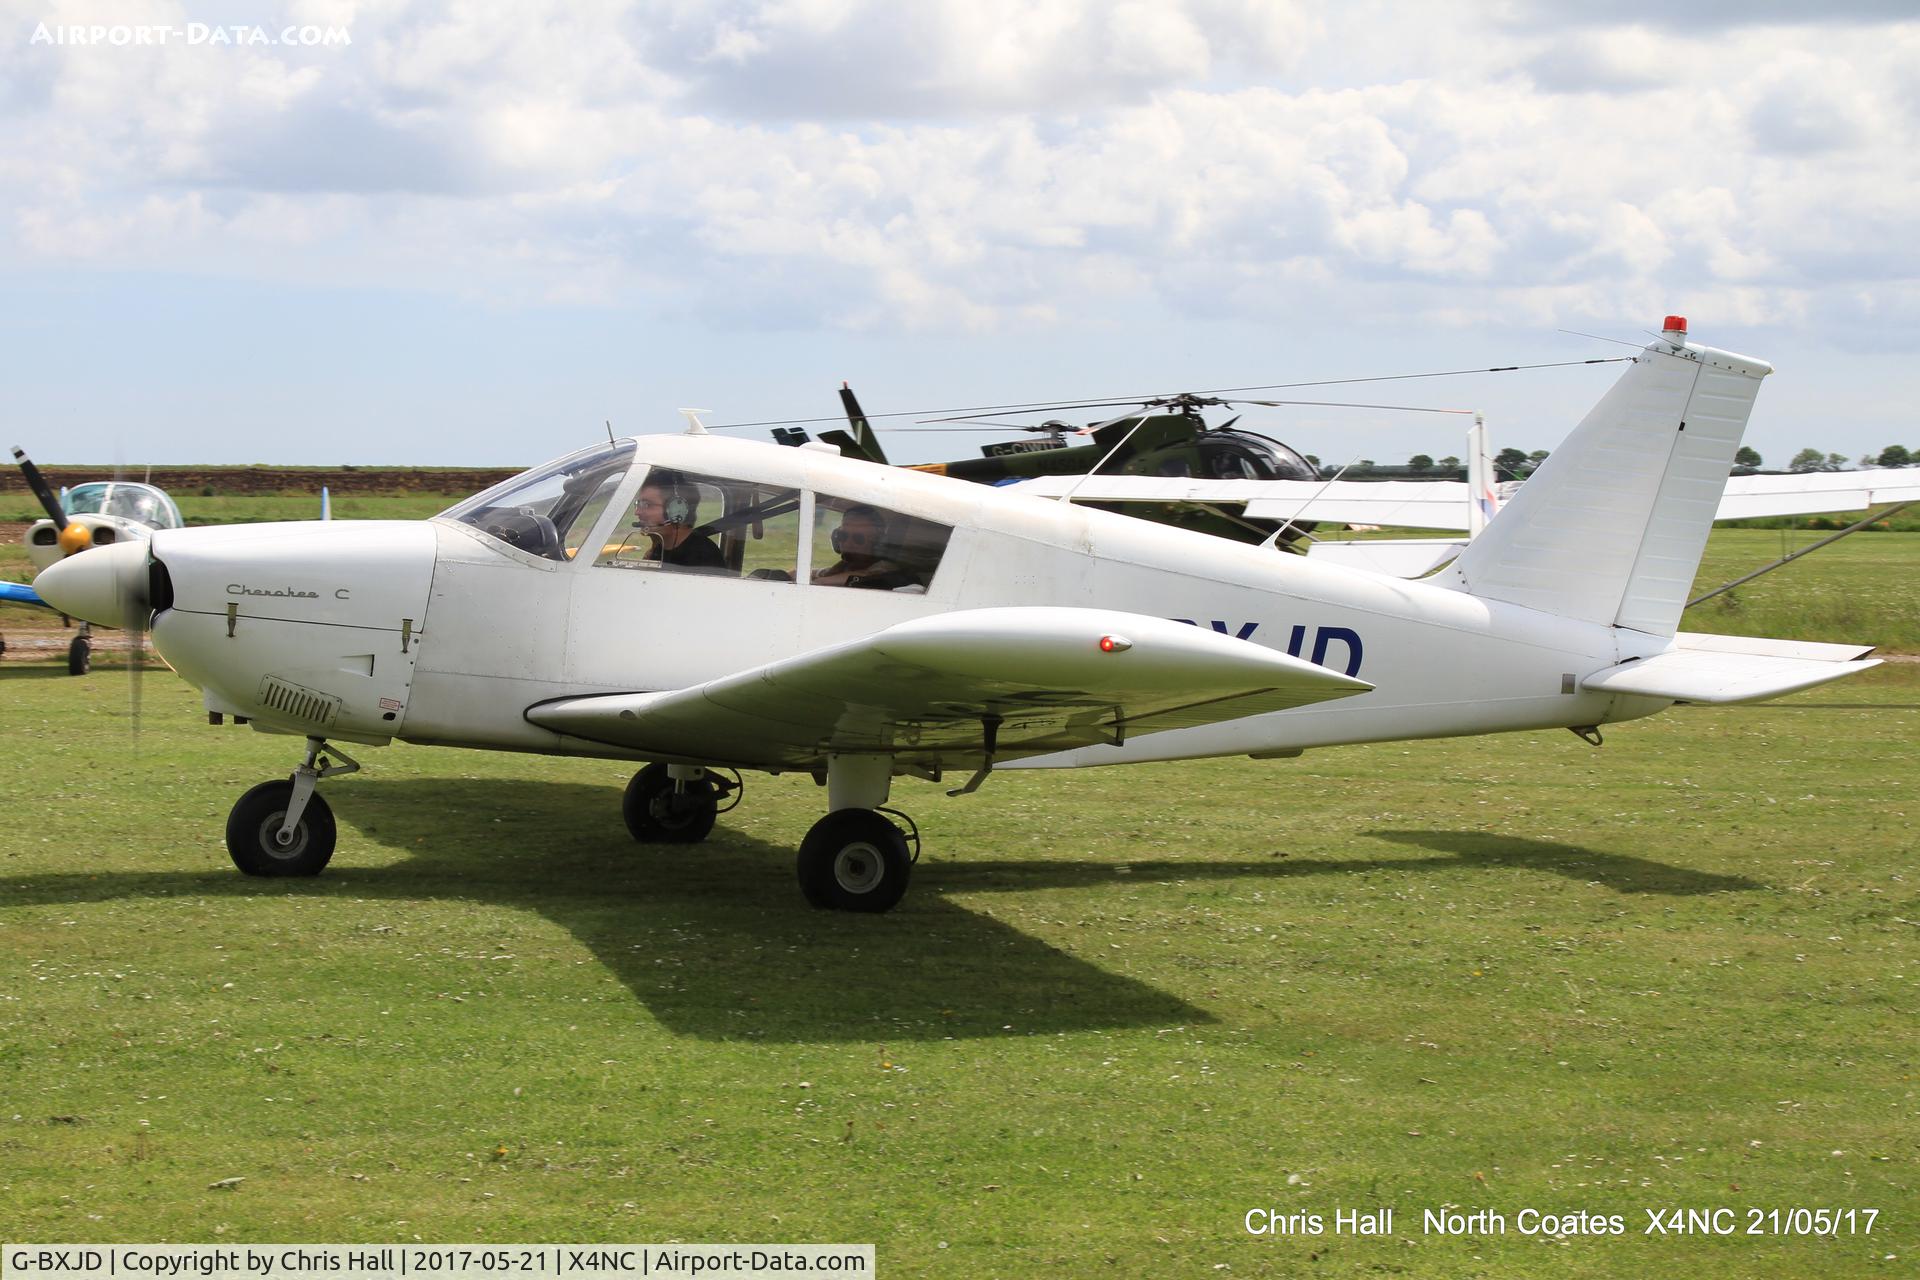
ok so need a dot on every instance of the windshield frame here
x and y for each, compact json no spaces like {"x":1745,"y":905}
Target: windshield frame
{"x":566,"y":471}
{"x":113,"y":492}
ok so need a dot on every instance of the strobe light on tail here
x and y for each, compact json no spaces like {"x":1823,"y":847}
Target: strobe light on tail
{"x":714,"y":607}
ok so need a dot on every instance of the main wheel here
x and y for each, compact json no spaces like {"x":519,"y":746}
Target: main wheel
{"x":253,"y":830}
{"x":656,"y":813}
{"x":79,"y":656}
{"x":854,"y":860}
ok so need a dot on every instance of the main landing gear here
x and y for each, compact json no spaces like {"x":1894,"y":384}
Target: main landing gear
{"x":854,"y":859}
{"x":80,"y":653}
{"x":284,"y":828}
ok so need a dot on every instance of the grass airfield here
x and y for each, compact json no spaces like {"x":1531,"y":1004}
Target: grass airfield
{"x":1118,"y":1009}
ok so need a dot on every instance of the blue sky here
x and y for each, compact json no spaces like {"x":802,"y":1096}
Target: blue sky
{"x":470,"y":235}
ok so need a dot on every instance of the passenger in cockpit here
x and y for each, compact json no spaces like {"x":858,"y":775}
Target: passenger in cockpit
{"x":668,"y":511}
{"x":858,"y":542}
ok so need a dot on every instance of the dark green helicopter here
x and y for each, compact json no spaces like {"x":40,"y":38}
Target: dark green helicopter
{"x":1168,"y":436}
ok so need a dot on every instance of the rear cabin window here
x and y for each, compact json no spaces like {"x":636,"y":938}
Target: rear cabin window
{"x":872,"y":548}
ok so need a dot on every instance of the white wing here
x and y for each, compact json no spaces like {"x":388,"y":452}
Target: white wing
{"x":1817,"y":491}
{"x":1442,"y":504}
{"x":1416,"y":504}
{"x":931,"y":692}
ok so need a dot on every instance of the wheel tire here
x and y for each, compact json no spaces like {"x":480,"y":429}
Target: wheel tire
{"x":255,"y":821}
{"x":854,"y":860}
{"x":79,"y":656}
{"x":656,"y":814}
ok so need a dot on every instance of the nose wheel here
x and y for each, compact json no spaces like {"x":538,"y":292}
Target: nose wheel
{"x":282,"y":828}
{"x":253,"y":833}
{"x":80,"y":655}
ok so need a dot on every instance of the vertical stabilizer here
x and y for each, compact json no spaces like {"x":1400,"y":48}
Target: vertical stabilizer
{"x":1483,"y":500}
{"x":1611,"y":527}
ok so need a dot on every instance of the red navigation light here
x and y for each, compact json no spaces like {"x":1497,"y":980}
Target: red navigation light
{"x":1674,"y":324}
{"x":1115,"y":644}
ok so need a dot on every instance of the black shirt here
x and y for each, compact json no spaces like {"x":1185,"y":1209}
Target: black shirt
{"x":696,"y":551}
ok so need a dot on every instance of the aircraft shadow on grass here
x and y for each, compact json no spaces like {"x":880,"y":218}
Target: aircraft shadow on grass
{"x":713,"y":939}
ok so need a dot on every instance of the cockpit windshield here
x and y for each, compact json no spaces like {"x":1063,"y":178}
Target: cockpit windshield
{"x":138,"y":502}
{"x":549,"y":510}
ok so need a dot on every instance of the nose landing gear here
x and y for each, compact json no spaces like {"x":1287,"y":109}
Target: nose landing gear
{"x":284,"y":828}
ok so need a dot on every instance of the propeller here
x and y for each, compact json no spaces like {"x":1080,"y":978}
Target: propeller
{"x":133,"y":598}
{"x":73,"y":537}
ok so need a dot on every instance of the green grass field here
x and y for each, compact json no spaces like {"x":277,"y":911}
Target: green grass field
{"x":1118,"y":1010}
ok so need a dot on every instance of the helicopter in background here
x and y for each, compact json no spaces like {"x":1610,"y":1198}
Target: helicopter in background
{"x":1167,"y":437}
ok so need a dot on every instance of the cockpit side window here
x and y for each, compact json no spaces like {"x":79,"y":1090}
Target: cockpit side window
{"x":547,"y":511}
{"x":859,"y":545}
{"x":682,"y":522}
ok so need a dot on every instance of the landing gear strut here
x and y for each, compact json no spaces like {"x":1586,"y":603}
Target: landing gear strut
{"x":284,"y":828}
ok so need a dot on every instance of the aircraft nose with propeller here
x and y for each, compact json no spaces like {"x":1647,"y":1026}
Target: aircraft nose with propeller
{"x":710,"y":607}
{"x":94,"y":516}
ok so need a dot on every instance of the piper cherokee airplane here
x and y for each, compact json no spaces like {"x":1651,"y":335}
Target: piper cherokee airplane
{"x":708,"y":606}
{"x":97,"y":514}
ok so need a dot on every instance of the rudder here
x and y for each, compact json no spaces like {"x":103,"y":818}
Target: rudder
{"x":1610,"y":529}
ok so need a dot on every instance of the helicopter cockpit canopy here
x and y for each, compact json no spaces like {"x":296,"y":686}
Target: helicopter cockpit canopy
{"x":141,"y":503}
{"x":1227,"y":454}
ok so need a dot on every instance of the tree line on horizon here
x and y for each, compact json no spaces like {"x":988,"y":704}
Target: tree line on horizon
{"x":1517,"y":464}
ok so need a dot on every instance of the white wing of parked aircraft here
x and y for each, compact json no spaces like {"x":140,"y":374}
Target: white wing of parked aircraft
{"x":1446,"y":504}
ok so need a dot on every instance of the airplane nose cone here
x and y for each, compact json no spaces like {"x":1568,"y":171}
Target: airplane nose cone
{"x":103,"y":586}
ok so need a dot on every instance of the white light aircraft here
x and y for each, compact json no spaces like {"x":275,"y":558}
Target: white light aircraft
{"x":709,"y":605}
{"x":96,"y":514}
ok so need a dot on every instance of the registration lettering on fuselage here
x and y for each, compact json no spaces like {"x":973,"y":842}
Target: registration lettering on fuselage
{"x":1324,"y":638}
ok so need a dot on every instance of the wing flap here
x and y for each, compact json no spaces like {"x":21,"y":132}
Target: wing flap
{"x":934,"y":690}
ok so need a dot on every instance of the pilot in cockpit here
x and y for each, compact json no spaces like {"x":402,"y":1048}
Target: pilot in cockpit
{"x":667,"y":511}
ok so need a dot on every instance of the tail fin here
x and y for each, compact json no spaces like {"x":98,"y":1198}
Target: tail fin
{"x":1483,"y":499}
{"x":1611,"y":527}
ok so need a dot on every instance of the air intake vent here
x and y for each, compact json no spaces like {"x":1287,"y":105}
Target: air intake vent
{"x":44,"y":536}
{"x":303,"y":706}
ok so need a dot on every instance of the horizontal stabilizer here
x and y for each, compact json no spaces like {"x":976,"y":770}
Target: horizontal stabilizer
{"x":1723,"y":669}
{"x":941,"y":689}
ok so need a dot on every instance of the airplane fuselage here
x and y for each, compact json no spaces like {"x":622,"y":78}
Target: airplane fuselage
{"x":436,"y":632}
